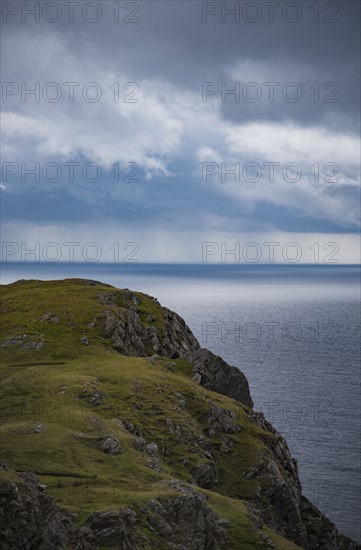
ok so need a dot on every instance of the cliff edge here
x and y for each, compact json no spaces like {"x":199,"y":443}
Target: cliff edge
{"x":119,"y":431}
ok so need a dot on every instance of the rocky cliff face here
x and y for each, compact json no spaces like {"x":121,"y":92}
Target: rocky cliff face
{"x":139,"y":334}
{"x":30,"y":520}
{"x":182,"y":417}
{"x":281,"y":504}
{"x":134,"y":335}
{"x":216,"y":375}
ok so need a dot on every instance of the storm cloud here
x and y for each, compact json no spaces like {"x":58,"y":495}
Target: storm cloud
{"x":176,"y":122}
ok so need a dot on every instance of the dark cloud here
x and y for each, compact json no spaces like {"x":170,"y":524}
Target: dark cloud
{"x":174,"y":52}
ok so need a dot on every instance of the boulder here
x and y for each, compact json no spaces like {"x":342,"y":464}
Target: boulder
{"x":110,"y":445}
{"x":221,"y":420}
{"x":205,"y":475}
{"x":151,"y":449}
{"x":187,"y":522}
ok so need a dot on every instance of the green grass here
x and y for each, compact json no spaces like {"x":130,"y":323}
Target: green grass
{"x":43,"y":387}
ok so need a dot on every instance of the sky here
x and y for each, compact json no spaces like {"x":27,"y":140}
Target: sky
{"x":180,"y":131}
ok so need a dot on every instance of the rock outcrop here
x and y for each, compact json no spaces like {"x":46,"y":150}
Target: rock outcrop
{"x":30,"y":520}
{"x":133,"y":335}
{"x":137,"y":335}
{"x":216,"y":375}
{"x":186,"y":522}
{"x":280,"y":503}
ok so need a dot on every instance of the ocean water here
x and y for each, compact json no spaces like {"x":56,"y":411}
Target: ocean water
{"x":295,"y":333}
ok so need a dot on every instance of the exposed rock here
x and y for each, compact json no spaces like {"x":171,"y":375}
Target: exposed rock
{"x":183,"y":522}
{"x":128,"y":295}
{"x":130,"y":336}
{"x":92,"y":282}
{"x":154,"y":463}
{"x":48,"y":318}
{"x":107,"y":298}
{"x":222,"y":421}
{"x":266,"y":540}
{"x":113,"y":529}
{"x":152,"y":449}
{"x":177,"y":339}
{"x":186,"y":522}
{"x":173,"y":428}
{"x":226,"y":445}
{"x":181,"y":400}
{"x":150,"y":318}
{"x":30,"y":520}
{"x":278,"y":504}
{"x":84,"y":340}
{"x":96,"y":399}
{"x":205,"y":475}
{"x":139,"y":444}
{"x":164,"y":450}
{"x":39,"y":428}
{"x":216,"y":375}
{"x":93,"y":394}
{"x":281,"y":505}
{"x":128,"y":426}
{"x":322,"y":533}
{"x":26,"y":342}
{"x":33,"y":344}
{"x":124,"y":328}
{"x":110,"y":445}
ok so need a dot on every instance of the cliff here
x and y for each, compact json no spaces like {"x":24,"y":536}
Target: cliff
{"x":119,"y":431}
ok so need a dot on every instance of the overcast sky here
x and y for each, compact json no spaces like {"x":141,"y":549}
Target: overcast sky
{"x":163,"y":134}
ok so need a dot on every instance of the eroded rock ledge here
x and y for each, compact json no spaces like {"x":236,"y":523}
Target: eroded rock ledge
{"x":30,"y":520}
{"x":215,"y":374}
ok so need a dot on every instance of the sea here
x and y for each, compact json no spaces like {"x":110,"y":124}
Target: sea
{"x":294,"y":330}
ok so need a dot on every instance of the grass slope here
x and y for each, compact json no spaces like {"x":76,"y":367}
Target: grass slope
{"x":50,"y":387}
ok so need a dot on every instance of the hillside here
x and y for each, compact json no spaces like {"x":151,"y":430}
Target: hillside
{"x":119,"y":431}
